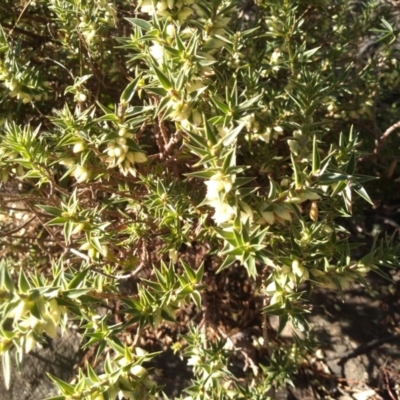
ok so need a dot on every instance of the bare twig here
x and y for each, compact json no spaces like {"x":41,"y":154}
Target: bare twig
{"x":163,"y":131}
{"x":18,"y":228}
{"x":20,"y":15}
{"x":387,"y":384}
{"x":23,"y":31}
{"x":32,"y":209}
{"x":165,"y":145}
{"x":364,"y":347}
{"x":390,"y":371}
{"x":264,"y":315}
{"x":385,"y":135}
{"x":121,"y":277}
{"x":175,"y":138}
{"x":79,"y":254}
{"x":21,"y":199}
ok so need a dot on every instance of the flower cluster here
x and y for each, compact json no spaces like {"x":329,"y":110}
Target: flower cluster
{"x":32,"y":327}
{"x":247,"y":164}
{"x":178,"y":10}
{"x":120,"y":155}
{"x":218,"y":186}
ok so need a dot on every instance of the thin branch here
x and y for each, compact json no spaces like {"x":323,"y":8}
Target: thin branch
{"x":25,"y":199}
{"x":167,"y":148}
{"x":121,"y":277}
{"x":385,"y":135}
{"x":387,"y":384}
{"x":18,"y":228}
{"x":364,"y":347}
{"x":32,"y":209}
{"x":24,"y":32}
{"x":163,"y":131}
{"x":79,"y":254}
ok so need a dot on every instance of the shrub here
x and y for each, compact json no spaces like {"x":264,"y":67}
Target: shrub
{"x":135,"y":136}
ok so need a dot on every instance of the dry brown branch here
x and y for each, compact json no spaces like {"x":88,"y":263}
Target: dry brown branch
{"x":363,"y":348}
{"x":18,"y":228}
{"x":387,"y":384}
{"x":379,"y":142}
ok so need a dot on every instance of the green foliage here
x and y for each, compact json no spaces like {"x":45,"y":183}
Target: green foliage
{"x":128,"y":136}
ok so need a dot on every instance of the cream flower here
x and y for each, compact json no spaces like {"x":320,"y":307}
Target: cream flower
{"x":147,"y":7}
{"x":223,"y":213}
{"x":299,"y":270}
{"x":181,"y":111}
{"x":157,"y":52}
{"x":82,"y":173}
{"x":217,"y":183}
{"x":78,"y":147}
{"x":213,"y":189}
{"x":295,"y":145}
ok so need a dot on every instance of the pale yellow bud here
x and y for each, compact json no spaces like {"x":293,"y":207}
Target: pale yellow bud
{"x":122,"y":131}
{"x":314,"y":211}
{"x":78,"y":228}
{"x":50,"y":327}
{"x":171,"y":30}
{"x":299,"y":270}
{"x":55,"y":310}
{"x":86,"y":246}
{"x":196,"y":118}
{"x":121,"y":141}
{"x":139,"y":157}
{"x":162,"y":5}
{"x":173,"y":255}
{"x":140,"y":352}
{"x":118,"y":151}
{"x":138,"y":371}
{"x":30,"y":342}
{"x":92,"y":253}
{"x":78,"y":147}
{"x":68,"y":162}
{"x":111,"y":153}
{"x":82,"y":173}
{"x":82,"y":96}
